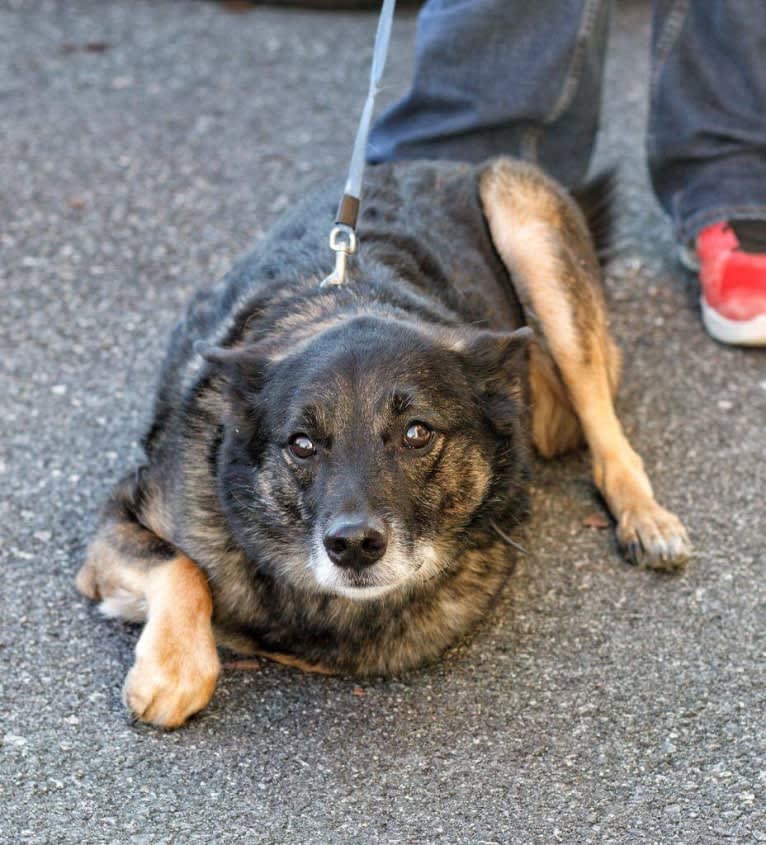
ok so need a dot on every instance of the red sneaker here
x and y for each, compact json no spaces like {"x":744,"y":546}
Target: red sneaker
{"x":732,"y":271}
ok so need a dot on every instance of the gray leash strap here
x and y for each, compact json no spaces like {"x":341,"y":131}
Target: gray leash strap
{"x":343,"y":239}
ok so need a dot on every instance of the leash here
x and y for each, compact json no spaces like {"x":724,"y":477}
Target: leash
{"x":343,"y":238}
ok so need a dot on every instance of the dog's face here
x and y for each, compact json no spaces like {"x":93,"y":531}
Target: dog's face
{"x":354,"y":463}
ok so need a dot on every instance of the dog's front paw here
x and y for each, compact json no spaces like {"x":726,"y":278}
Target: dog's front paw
{"x":653,"y":537}
{"x":172,"y":678}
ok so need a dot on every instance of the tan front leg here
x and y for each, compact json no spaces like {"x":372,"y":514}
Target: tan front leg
{"x":649,"y":534}
{"x":177,"y":664}
{"x":543,"y":240}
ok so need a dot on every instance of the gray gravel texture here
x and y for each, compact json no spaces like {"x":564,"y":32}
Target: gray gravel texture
{"x":601,"y":703}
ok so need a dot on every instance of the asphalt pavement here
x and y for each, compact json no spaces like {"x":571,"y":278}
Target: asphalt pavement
{"x":143,"y":146}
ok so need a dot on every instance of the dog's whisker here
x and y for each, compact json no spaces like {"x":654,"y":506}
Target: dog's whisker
{"x":507,"y":539}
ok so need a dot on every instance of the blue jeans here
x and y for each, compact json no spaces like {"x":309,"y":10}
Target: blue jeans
{"x":498,"y":76}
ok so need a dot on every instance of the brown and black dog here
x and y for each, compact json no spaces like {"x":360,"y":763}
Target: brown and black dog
{"x":334,"y":473}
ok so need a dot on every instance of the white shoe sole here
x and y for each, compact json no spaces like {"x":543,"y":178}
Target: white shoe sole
{"x":737,"y":332}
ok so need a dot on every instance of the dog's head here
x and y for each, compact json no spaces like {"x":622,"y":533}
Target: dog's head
{"x":369,"y":456}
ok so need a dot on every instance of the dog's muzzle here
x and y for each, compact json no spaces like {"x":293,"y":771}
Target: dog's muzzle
{"x":355,"y":541}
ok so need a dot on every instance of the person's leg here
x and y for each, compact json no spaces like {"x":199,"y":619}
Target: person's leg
{"x":707,"y":131}
{"x":707,"y":150}
{"x":497,"y":76}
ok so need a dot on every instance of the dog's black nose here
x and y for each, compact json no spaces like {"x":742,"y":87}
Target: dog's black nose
{"x":354,"y":542}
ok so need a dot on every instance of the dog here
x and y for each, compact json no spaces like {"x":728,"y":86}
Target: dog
{"x":334,"y":474}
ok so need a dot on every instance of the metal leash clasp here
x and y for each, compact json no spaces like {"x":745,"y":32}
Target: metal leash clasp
{"x":343,"y":242}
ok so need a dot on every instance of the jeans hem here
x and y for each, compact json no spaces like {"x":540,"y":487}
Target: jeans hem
{"x":693,"y":225}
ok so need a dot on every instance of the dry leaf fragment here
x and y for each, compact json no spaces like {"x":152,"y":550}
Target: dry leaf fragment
{"x":237,"y":7}
{"x":596,"y":520}
{"x":69,"y":47}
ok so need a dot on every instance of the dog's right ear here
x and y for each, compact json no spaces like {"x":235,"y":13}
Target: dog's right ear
{"x":241,"y":370}
{"x":242,"y":367}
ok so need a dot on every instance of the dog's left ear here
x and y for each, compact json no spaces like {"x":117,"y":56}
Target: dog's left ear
{"x":496,"y":363}
{"x":497,"y":359}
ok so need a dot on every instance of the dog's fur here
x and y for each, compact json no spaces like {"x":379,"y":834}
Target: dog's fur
{"x":222,"y":535}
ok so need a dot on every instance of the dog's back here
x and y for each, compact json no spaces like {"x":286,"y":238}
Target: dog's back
{"x":440,"y":248}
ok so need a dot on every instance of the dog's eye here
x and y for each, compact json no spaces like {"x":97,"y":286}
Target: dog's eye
{"x":418,"y":435}
{"x":301,"y":446}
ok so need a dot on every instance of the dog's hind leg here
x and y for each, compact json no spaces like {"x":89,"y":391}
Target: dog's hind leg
{"x":544,"y":242}
{"x":138,"y":576}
